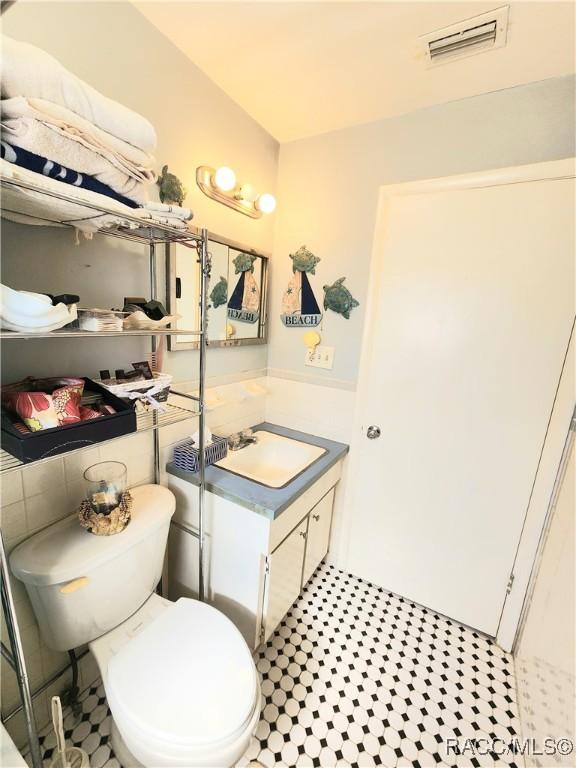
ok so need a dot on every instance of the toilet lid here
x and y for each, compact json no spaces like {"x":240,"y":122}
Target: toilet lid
{"x":188,"y":678}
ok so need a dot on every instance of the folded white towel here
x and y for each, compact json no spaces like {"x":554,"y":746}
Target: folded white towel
{"x":28,"y":71}
{"x":127,"y":158}
{"x":34,"y":136}
{"x":172,"y":210}
{"x":8,"y":326}
{"x":32,"y":312}
{"x":155,"y":216}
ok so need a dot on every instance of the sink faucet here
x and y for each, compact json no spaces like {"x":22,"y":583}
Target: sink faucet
{"x":241,"y":439}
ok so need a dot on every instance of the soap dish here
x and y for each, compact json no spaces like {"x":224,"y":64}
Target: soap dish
{"x":186,"y":456}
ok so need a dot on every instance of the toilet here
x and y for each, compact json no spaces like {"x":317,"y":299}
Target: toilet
{"x":179,"y":678}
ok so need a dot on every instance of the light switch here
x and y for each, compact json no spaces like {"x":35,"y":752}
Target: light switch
{"x":320,"y":357}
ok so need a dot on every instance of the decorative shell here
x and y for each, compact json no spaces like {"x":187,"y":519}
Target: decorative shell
{"x":339,"y":299}
{"x":304,"y":260}
{"x":106,"y":525}
{"x":219,"y":294}
{"x":172,"y":190}
{"x":244,"y":262}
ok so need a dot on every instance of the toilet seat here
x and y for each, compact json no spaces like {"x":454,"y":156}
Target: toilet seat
{"x":184,"y":687}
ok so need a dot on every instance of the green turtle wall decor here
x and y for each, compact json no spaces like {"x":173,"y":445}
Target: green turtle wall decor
{"x":299,"y":305}
{"x":172,"y":190}
{"x":244,"y":304}
{"x":339,"y":299}
{"x":219,"y":294}
{"x":304,"y":260}
{"x":244,"y":262}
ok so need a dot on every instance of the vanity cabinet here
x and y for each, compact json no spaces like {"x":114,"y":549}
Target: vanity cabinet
{"x":284,"y":577}
{"x":256,"y":566}
{"x":317,"y":535}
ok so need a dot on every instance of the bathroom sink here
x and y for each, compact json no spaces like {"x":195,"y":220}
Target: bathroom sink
{"x":274,"y":460}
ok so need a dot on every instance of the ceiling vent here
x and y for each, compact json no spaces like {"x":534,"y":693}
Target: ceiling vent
{"x":476,"y":35}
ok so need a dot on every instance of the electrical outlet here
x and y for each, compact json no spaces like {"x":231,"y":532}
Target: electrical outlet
{"x":320,"y":357}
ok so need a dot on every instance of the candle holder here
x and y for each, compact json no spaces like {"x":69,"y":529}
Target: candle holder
{"x":105,"y":485}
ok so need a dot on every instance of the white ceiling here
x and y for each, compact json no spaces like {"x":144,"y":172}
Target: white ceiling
{"x":302,"y":68}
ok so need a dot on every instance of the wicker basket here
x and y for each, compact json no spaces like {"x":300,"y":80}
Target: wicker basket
{"x":186,"y":456}
{"x":158,"y":388}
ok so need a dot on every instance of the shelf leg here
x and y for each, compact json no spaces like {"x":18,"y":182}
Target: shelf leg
{"x":18,"y":658}
{"x":204,"y":276}
{"x":154,"y":343}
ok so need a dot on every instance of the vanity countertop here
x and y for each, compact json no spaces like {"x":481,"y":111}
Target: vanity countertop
{"x":270,"y":502}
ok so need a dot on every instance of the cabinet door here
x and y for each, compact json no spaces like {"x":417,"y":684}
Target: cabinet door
{"x":320,"y":519}
{"x":285,"y":577}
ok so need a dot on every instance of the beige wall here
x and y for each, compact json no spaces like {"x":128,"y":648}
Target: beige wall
{"x":328,"y":190}
{"x":113,"y":47}
{"x":544,"y":655}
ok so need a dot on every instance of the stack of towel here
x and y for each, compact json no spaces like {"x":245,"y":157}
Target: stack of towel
{"x":56,"y":125}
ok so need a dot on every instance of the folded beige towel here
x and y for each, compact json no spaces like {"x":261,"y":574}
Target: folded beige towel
{"x":128,"y":159}
{"x":34,"y":136}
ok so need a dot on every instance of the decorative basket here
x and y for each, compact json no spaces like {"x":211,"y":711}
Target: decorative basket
{"x":186,"y":457}
{"x":157,"y":388}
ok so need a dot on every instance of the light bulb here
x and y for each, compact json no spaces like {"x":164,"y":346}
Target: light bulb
{"x":248,"y":193}
{"x":266,"y":203}
{"x":224,"y":179}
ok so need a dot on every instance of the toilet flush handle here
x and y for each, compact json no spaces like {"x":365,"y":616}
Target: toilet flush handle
{"x":73,"y":585}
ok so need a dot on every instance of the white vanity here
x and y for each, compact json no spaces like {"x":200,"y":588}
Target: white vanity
{"x":268,"y":519}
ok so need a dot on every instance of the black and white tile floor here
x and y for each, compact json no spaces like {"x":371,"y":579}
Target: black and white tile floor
{"x":356,"y":676}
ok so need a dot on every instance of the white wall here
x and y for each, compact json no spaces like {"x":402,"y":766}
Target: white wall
{"x":114,"y":48}
{"x":544,"y":655}
{"x":328,"y":190}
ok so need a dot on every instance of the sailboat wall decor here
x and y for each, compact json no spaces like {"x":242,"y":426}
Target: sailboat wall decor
{"x":244,"y":303}
{"x":299,"y":305}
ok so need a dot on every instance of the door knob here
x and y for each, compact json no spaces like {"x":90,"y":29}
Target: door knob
{"x":373,"y":432}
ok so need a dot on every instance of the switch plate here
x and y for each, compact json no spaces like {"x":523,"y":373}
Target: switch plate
{"x":320,"y":357}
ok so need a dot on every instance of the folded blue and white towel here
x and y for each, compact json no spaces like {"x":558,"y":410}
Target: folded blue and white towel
{"x":46,"y":167}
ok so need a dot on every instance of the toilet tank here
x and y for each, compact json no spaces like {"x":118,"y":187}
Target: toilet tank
{"x":81,"y":585}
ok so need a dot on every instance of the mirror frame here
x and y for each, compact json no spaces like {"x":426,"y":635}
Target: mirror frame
{"x":173,"y":344}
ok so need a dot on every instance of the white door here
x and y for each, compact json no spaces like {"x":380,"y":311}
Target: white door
{"x":285,"y":577}
{"x":319,"y":521}
{"x":468,"y":327}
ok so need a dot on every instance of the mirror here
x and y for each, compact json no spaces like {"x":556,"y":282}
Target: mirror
{"x":237,"y":291}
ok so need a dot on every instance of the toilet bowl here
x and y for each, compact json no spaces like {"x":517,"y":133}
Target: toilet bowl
{"x":179,"y":678}
{"x":181,"y":685}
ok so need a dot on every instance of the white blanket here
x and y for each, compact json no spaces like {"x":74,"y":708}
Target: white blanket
{"x":132,"y":161}
{"x":28,"y":71}
{"x":34,"y":136}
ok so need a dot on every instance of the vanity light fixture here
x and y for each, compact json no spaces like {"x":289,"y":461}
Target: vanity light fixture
{"x":220,"y":184}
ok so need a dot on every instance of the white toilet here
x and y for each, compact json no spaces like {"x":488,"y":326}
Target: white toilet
{"x":179,"y":678}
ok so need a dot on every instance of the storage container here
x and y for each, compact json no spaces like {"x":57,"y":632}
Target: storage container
{"x":32,"y":446}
